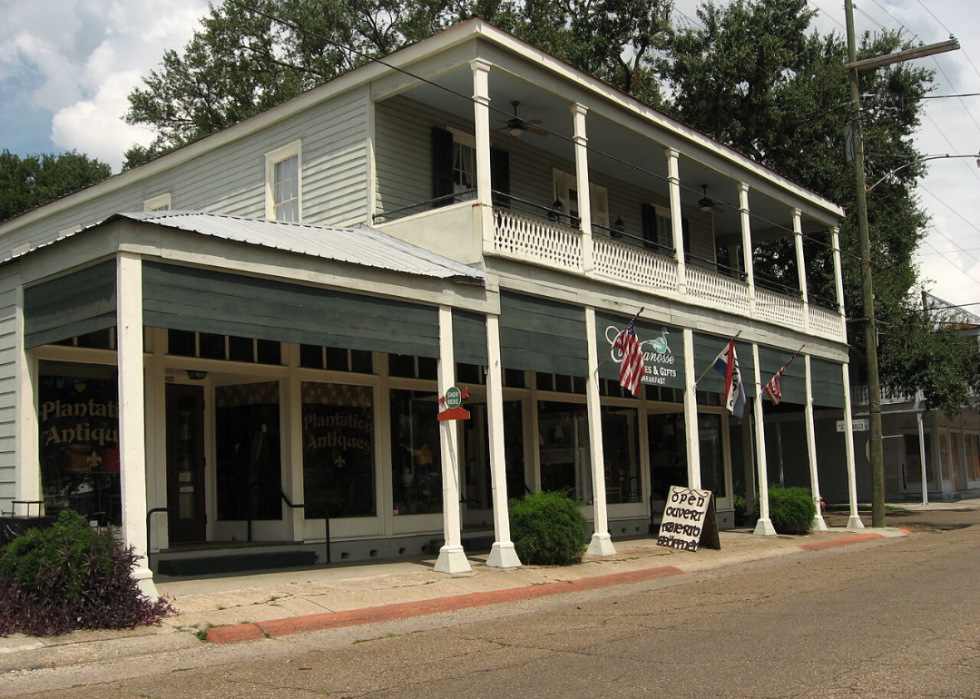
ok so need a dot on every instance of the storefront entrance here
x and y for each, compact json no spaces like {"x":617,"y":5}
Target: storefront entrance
{"x":185,"y":463}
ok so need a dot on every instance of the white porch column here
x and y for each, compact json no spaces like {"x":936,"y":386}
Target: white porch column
{"x":582,"y":182}
{"x":292,"y":450}
{"x":922,"y":458}
{"x":132,"y":418}
{"x":502,"y":554}
{"x":801,"y":266}
{"x":854,"y":520}
{"x":838,"y":277}
{"x":746,"y":220}
{"x":691,"y":435}
{"x":601,"y":544}
{"x":27,"y":439}
{"x":481,"y":127}
{"x":764,"y":526}
{"x":811,"y":448}
{"x":677,"y":218}
{"x":451,"y":556}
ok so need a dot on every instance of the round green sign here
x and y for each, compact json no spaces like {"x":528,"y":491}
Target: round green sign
{"x":454,"y":398}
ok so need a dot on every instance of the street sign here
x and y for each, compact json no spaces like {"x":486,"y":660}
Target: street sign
{"x":862,"y":424}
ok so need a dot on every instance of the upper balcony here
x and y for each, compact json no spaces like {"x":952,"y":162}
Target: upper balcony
{"x":518,"y":156}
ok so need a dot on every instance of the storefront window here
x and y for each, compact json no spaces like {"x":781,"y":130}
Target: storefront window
{"x":712,"y":454}
{"x":563,"y":439}
{"x":338,"y":450}
{"x":668,"y":453}
{"x":416,"y":468}
{"x":79,"y":440}
{"x":620,"y":448}
{"x":477,"y":492}
{"x":249,"y":474}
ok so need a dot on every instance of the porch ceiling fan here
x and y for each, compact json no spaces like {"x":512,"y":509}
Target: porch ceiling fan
{"x":516,"y":127}
{"x":706,"y":203}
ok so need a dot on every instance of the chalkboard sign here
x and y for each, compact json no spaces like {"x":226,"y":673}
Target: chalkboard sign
{"x":689,"y":520}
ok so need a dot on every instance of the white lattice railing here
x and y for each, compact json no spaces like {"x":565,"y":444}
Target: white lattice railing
{"x":534,"y":240}
{"x":827,"y":323}
{"x":628,"y":264}
{"x":783,"y":310}
{"x":718,"y":289}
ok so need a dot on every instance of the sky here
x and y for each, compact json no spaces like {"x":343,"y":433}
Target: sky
{"x":66,"y":67}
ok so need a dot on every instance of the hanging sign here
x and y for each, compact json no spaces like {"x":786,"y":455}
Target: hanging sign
{"x":453,"y":404}
{"x":689,"y":520}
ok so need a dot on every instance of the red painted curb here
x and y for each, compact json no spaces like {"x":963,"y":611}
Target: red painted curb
{"x":404,"y":610}
{"x":834,"y":543}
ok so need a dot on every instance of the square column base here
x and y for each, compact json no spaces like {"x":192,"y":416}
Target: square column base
{"x":452,"y":560}
{"x":144,"y":581}
{"x":601,"y":545}
{"x":764,"y":528}
{"x":854,"y":522}
{"x":818,"y":524}
{"x":503,"y":555}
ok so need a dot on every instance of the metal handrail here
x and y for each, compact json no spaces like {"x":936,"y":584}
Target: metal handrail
{"x":427,"y":204}
{"x":149,"y":514}
{"x":636,"y":241}
{"x":326,"y":518}
{"x":778,"y":287}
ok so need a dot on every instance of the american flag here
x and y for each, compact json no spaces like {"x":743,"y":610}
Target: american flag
{"x":631,"y":367}
{"x":772,"y":389}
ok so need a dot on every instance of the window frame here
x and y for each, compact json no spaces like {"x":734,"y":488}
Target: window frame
{"x":273,"y":158}
{"x":162,"y":202}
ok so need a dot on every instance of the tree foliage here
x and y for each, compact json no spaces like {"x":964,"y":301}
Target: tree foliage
{"x":241,"y":61}
{"x":29,"y":182}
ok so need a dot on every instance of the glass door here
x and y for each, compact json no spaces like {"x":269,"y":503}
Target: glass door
{"x":185,"y":463}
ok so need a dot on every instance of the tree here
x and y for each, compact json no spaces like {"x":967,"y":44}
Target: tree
{"x":29,"y":182}
{"x":758,"y":78}
{"x":247,"y":58}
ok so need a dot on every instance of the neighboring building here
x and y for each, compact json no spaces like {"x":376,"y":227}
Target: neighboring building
{"x":268,"y":316}
{"x":913,"y":434}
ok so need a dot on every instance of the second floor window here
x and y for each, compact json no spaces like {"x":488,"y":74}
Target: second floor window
{"x":283,"y":184}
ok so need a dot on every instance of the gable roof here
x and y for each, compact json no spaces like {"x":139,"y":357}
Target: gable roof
{"x":358,"y":245}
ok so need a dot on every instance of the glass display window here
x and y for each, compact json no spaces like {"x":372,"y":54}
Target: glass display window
{"x":416,"y":466}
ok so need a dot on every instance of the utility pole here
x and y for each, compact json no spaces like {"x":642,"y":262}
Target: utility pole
{"x":871,"y":335}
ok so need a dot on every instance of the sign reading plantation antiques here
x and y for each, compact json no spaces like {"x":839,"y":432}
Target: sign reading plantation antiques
{"x":79,"y":446}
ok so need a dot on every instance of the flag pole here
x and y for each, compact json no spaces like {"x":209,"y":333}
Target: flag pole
{"x":711,"y":366}
{"x":612,"y":346}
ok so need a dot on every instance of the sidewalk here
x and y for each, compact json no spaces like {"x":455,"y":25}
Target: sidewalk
{"x":252,"y":607}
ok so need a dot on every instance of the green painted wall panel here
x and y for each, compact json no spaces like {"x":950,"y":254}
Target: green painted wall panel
{"x":75,"y":304}
{"x":793,"y":381}
{"x":542,"y":335}
{"x":828,"y":383}
{"x":706,"y":348}
{"x":470,"y":337}
{"x":185,"y":298}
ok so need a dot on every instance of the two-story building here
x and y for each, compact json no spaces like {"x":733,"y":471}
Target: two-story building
{"x":269,"y":316}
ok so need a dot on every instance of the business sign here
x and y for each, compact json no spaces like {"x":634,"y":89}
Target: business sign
{"x":689,"y":520}
{"x":663,"y":364}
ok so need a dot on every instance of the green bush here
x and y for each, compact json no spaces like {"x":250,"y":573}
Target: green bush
{"x":71,"y":576}
{"x":548,"y":529}
{"x":791,"y":510}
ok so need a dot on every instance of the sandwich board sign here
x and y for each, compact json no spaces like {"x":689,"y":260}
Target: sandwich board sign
{"x":689,"y":520}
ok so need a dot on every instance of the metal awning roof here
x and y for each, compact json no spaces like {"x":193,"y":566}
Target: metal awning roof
{"x":358,"y":245}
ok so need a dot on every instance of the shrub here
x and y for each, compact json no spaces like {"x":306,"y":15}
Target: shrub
{"x":791,"y":509}
{"x":548,"y":529}
{"x":71,"y":576}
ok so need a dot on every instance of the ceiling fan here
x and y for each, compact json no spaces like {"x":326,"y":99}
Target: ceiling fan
{"x":516,"y":127}
{"x":706,"y":203}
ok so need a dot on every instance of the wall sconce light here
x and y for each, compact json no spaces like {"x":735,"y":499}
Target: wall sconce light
{"x":556,"y":210}
{"x":196,"y":375}
{"x":618,"y":228}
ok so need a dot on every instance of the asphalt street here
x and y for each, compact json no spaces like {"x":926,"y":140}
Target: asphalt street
{"x":887,"y":619}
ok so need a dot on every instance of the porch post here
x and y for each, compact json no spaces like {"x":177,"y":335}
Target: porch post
{"x":601,"y":544}
{"x":132,"y":425}
{"x":854,"y":520}
{"x":676,"y":218}
{"x":764,"y":526}
{"x":292,"y":447}
{"x":582,"y":182}
{"x":481,"y":129}
{"x":811,"y":449}
{"x":27,"y":439}
{"x":451,"y":556}
{"x":922,"y":457}
{"x":801,"y":266}
{"x":838,"y":278}
{"x":502,"y":554}
{"x":691,"y":435}
{"x":746,"y":220}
